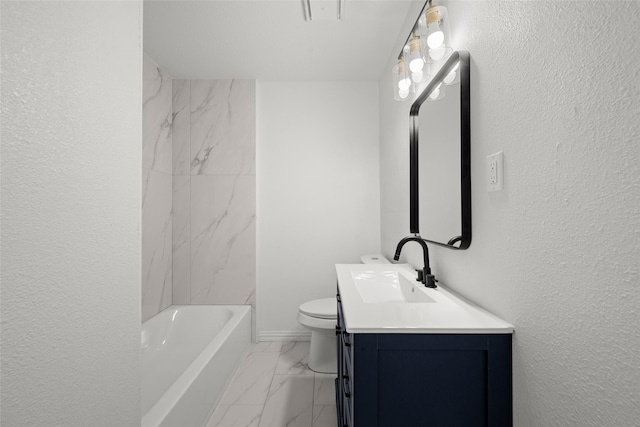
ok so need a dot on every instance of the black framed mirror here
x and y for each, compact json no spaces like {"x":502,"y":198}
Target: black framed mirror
{"x":440,"y":157}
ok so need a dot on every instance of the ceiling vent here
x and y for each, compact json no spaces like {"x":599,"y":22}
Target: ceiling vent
{"x":323,"y":10}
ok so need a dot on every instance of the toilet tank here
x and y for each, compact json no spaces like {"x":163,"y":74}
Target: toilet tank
{"x":374,"y":259}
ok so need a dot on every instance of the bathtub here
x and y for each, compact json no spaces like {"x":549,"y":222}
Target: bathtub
{"x":189,"y":353}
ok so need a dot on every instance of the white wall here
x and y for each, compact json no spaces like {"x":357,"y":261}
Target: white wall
{"x":317,"y":193}
{"x":554,"y":86}
{"x":71,"y":167}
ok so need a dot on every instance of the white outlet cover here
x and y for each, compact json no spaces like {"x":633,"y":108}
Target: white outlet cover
{"x":495,"y":172}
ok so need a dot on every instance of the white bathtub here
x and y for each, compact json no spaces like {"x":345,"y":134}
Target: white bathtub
{"x":188,"y":355}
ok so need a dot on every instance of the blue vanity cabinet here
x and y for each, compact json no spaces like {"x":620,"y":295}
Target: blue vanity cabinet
{"x":398,"y":380}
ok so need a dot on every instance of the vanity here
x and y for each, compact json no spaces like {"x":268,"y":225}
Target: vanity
{"x":414,"y":356}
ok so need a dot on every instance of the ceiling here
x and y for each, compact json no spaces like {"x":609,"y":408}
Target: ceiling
{"x":271,"y":40}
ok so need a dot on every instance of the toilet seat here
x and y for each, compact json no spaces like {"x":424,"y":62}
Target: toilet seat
{"x":325,"y":308}
{"x":316,"y":322}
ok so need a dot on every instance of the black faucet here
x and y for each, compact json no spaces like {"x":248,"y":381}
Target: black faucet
{"x":424,"y":275}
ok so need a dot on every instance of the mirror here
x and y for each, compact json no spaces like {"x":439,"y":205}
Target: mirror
{"x":440,"y":160}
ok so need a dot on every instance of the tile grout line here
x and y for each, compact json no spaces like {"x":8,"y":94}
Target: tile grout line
{"x":273,"y":374}
{"x":313,"y":397}
{"x":268,"y":389}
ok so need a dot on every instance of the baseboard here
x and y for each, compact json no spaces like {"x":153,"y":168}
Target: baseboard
{"x":284,"y":336}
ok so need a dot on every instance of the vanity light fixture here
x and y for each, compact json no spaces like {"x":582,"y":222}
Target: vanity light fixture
{"x":426,"y":48}
{"x":401,"y":80}
{"x":416,"y":61}
{"x":435,"y":36}
{"x":435,"y":27}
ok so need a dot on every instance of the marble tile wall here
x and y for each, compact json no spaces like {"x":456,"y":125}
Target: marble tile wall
{"x":199,"y":191}
{"x":156,"y":190}
{"x":214,"y":192}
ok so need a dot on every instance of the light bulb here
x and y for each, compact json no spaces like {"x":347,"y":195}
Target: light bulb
{"x":400,"y":74}
{"x":452,"y":74}
{"x":436,"y":36}
{"x":450,"y":77}
{"x":415,"y":57}
{"x":403,"y":93}
{"x":417,"y":77}
{"x":416,"y":65}
{"x":404,"y":84}
{"x":436,"y":93}
{"x":437,"y":53}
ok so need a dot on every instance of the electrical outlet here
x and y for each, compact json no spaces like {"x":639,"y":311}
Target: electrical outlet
{"x":495,"y":172}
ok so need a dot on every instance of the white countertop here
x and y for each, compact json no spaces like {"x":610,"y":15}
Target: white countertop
{"x":447,"y":313}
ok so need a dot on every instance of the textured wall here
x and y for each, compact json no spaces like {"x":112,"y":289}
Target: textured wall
{"x":214,"y":243}
{"x":554,"y":86}
{"x":157,"y":189}
{"x":318,"y":193}
{"x":71,"y":97}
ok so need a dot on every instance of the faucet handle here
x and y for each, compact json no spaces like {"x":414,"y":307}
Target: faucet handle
{"x":430,"y":281}
{"x":420,"y":275}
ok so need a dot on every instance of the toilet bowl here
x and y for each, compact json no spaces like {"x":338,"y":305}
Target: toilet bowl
{"x":320,"y":317}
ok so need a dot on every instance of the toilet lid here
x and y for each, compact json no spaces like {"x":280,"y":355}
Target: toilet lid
{"x":325,"y":308}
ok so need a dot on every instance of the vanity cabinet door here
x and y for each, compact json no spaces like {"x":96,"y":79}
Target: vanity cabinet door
{"x":356,"y":381}
{"x":343,"y":397}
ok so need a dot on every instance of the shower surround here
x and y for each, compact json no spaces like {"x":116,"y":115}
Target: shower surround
{"x":156,"y":189}
{"x":214,"y":192}
{"x":211,"y":195}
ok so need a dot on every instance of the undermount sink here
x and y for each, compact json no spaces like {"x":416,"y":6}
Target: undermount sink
{"x":387,"y":299}
{"x":383,"y":286}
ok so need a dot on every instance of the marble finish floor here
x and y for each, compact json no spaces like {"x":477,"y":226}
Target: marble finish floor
{"x":274,"y":387}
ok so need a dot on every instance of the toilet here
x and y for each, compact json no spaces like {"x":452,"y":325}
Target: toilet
{"x":320,"y":317}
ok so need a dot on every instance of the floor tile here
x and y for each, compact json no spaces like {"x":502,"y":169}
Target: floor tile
{"x":264,"y":347}
{"x":250,"y":384}
{"x":324,"y":392}
{"x":289,"y":403}
{"x":324,"y":416}
{"x":236,"y":416}
{"x":274,"y":387}
{"x":293,"y":359}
